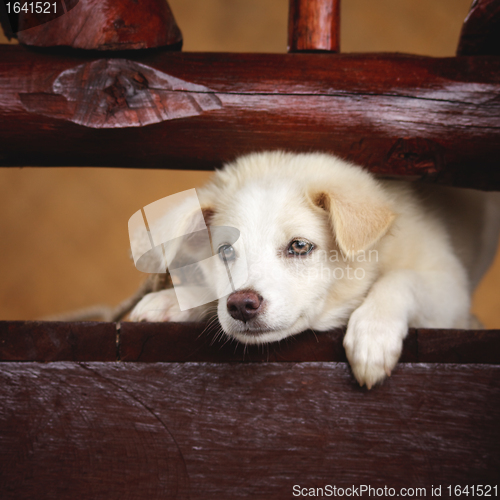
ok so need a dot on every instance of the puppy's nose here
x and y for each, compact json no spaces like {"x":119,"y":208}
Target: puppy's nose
{"x":244,"y":305}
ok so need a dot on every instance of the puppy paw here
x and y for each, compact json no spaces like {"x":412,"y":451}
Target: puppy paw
{"x":373,"y":346}
{"x":159,"y":306}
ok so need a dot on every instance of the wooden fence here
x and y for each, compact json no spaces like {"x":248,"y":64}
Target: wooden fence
{"x":124,"y":410}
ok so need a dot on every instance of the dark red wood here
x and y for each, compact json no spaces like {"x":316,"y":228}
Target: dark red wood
{"x":462,"y":346}
{"x":155,"y":342}
{"x":57,"y":341}
{"x":199,"y":342}
{"x":103,"y":25}
{"x":396,"y":115}
{"x":230,"y":431}
{"x":481,"y":30}
{"x":314,"y":25}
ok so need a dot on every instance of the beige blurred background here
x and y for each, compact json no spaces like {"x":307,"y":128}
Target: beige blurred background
{"x":64,"y":241}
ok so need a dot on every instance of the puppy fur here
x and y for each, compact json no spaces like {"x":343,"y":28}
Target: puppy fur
{"x":386,"y":255}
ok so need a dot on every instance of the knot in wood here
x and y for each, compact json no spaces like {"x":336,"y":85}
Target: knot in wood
{"x":123,"y":89}
{"x":410,"y":154}
{"x":117,"y":93}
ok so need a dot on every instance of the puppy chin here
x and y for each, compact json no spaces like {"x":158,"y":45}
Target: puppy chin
{"x":259,"y":332}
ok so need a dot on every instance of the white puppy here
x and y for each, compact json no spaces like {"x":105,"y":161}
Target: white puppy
{"x":328,"y":245}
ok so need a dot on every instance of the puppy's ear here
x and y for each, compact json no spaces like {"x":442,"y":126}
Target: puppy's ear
{"x":358,"y":221}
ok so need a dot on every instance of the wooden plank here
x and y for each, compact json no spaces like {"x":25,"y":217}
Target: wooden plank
{"x":462,"y":346}
{"x":314,"y":25}
{"x":199,"y":342}
{"x":228,"y":431}
{"x":153,"y":342}
{"x":481,"y":30}
{"x":411,"y":116}
{"x":57,"y":341}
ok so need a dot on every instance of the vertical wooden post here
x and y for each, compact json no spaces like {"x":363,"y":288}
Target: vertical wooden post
{"x":480,"y":34}
{"x":314,"y":25}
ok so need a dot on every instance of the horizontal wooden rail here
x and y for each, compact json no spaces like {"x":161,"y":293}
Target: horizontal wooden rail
{"x":242,"y":430}
{"x":185,"y":418}
{"x":397,"y":115}
{"x":196,"y":342}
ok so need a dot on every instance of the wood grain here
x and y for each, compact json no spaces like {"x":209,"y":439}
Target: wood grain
{"x":416,"y":117}
{"x":200,"y":342}
{"x":102,"y":25}
{"x":481,"y":30}
{"x":227,"y":431}
{"x":314,"y":25}
{"x":290,"y":414}
{"x":57,"y":341}
{"x":155,"y":342}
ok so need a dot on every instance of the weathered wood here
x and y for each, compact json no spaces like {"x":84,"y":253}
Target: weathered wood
{"x":57,"y":341}
{"x":228,"y":431}
{"x":397,"y":115}
{"x":481,"y":30}
{"x":314,"y":25}
{"x":102,"y":25}
{"x":199,"y":342}
{"x":458,"y":346}
{"x":155,"y":342}
{"x":231,"y":429}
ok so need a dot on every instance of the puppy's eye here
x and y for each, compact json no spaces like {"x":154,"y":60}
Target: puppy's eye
{"x":227,"y":253}
{"x":300,"y":247}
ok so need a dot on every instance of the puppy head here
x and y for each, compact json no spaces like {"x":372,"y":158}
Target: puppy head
{"x":293,"y":211}
{"x":280,"y":234}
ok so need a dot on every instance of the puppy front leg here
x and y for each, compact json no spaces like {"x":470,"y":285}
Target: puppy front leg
{"x":399,"y":299}
{"x":163,"y":306}
{"x":375,"y":331}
